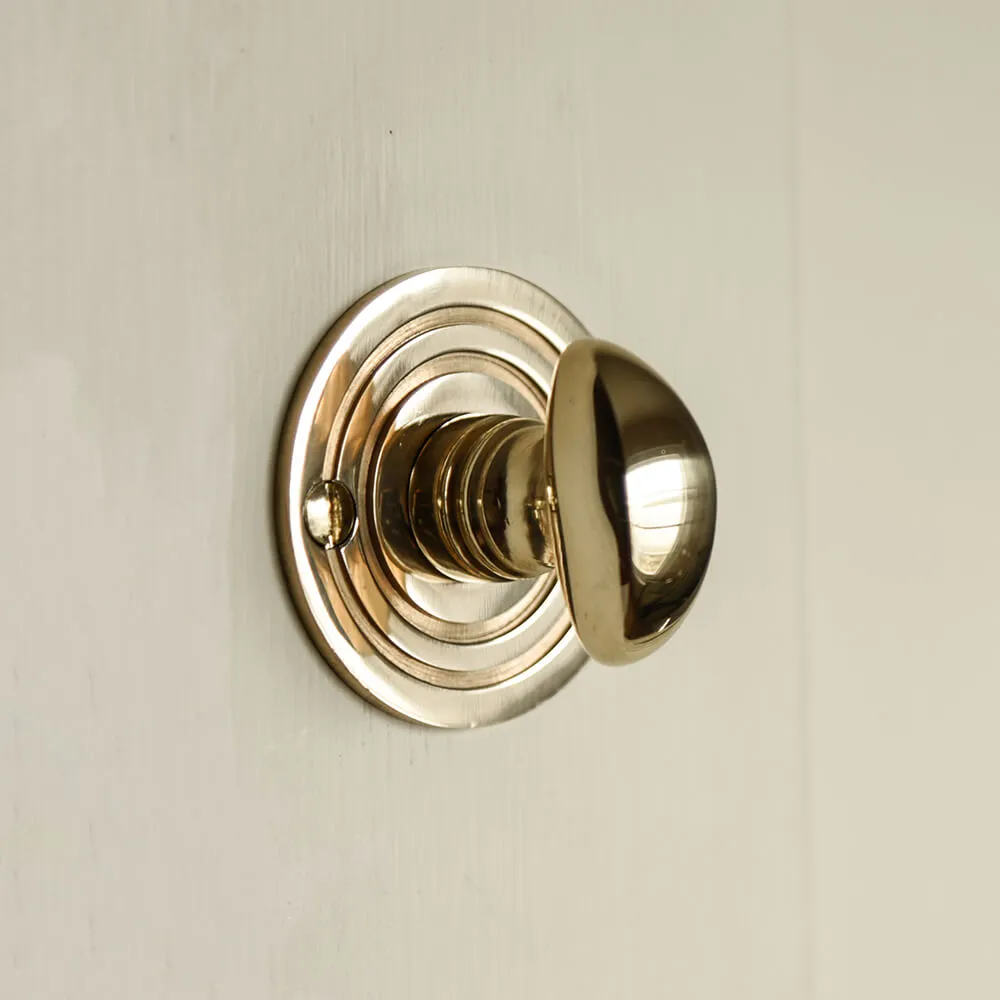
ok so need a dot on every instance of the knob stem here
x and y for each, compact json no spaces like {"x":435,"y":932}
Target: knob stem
{"x":478,"y":502}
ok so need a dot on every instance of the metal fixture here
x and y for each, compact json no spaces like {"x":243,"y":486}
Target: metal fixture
{"x":473,"y":495}
{"x":329,"y":514}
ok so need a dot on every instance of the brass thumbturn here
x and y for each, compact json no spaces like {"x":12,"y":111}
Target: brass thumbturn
{"x":615,"y":491}
{"x":503,"y":491}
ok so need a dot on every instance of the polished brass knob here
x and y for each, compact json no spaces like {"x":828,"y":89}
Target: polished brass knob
{"x":634,"y":493}
{"x":472,"y":494}
{"x":615,"y":490}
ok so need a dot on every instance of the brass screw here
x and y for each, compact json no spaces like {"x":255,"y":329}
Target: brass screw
{"x":329,"y":513}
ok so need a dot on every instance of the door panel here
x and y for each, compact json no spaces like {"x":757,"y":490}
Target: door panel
{"x":899,"y":244}
{"x":190,"y":804}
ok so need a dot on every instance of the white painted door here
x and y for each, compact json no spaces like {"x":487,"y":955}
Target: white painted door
{"x":791,"y":209}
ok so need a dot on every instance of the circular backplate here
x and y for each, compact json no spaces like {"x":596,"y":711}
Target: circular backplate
{"x":424,"y":347}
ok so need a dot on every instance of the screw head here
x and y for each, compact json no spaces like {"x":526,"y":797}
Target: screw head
{"x":329,"y":513}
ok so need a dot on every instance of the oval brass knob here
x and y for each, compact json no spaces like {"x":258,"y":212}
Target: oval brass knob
{"x":615,"y":491}
{"x":634,"y":500}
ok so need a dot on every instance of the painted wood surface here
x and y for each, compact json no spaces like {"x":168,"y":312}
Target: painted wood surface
{"x":789,"y":209}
